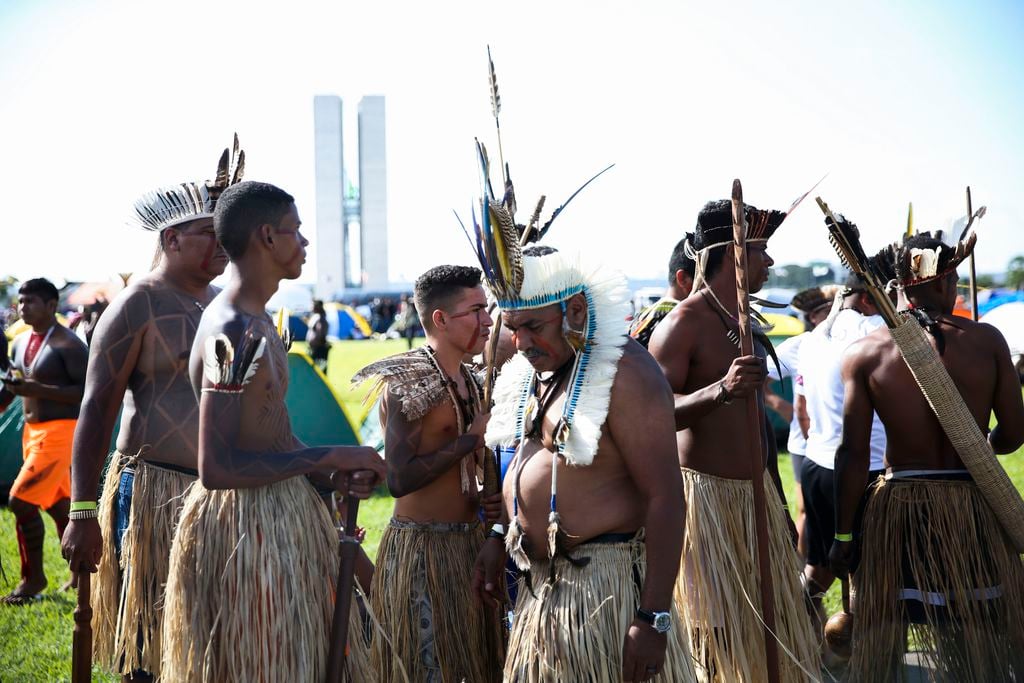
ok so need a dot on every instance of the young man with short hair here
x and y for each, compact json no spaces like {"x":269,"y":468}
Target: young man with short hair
{"x":48,"y":373}
{"x":250,"y":591}
{"x":434,"y":420}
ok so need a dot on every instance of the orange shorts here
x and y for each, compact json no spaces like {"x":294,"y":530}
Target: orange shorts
{"x":45,"y":477}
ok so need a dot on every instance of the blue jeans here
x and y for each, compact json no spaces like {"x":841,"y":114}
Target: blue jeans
{"x":123,"y":507}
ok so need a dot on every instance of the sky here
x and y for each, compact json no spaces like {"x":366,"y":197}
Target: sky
{"x":895,"y":101}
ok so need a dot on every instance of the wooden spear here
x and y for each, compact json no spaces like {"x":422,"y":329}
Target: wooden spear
{"x":974,"y":284}
{"x":755,"y":430}
{"x":492,"y":481}
{"x":348,"y":550}
{"x":81,"y":648}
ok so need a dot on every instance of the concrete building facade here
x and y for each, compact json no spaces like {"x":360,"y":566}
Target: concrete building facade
{"x":351,"y":222}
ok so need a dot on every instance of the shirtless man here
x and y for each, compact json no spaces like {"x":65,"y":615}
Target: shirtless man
{"x":139,"y":355}
{"x":931,"y":552}
{"x":589,"y":414}
{"x":250,"y":590}
{"x":48,"y":372}
{"x":697,"y":350}
{"x":433,"y":428}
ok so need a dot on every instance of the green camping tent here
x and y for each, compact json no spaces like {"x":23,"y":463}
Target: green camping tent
{"x":318,"y":416}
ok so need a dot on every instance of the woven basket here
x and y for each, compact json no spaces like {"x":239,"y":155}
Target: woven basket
{"x":961,"y":428}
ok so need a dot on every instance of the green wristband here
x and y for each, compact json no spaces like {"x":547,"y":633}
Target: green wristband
{"x":844,"y":538}
{"x":83,"y":505}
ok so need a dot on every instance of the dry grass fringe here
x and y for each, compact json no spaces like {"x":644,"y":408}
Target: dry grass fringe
{"x":955,"y":546}
{"x":573,"y":628}
{"x":106,"y":585}
{"x":468,"y":641}
{"x":251,"y":589}
{"x":718,"y":592}
{"x":157,"y":497}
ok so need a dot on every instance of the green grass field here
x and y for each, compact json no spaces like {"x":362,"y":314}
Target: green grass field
{"x":35,"y":640}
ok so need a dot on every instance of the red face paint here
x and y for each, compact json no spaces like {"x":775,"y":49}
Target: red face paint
{"x":474,"y":337}
{"x":544,"y":347}
{"x":208,"y":256}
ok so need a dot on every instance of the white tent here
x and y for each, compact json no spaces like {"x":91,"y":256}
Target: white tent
{"x":1009,"y":319}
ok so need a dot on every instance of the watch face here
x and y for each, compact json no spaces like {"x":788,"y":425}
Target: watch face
{"x":662,"y":622}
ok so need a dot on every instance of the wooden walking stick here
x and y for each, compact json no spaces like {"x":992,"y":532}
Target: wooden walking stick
{"x":348,"y":550}
{"x":81,"y":648}
{"x":756,"y":431}
{"x":974,"y":283}
{"x":492,"y":481}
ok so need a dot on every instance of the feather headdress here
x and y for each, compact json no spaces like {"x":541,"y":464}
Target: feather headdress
{"x":519,"y":282}
{"x":925,"y":257}
{"x":497,"y":238}
{"x":167,"y":207}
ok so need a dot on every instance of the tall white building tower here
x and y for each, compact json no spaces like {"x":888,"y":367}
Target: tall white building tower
{"x":351,"y":222}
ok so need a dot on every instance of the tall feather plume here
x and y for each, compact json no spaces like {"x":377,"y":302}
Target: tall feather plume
{"x":496,"y":109}
{"x":530,"y":230}
{"x":554,"y":214}
{"x":221,"y":179}
{"x":910,"y":220}
{"x":799,"y":200}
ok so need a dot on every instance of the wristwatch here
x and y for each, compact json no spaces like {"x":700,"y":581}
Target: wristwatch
{"x":661,"y":621}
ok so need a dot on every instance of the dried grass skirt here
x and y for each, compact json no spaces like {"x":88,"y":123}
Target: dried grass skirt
{"x":933,"y":553}
{"x":251,"y":588}
{"x":573,"y":628}
{"x":718,"y":593}
{"x":433,"y":628}
{"x":127,"y":595}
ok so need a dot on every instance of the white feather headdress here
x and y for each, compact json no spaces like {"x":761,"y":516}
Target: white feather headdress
{"x":553,"y":279}
{"x":167,"y":207}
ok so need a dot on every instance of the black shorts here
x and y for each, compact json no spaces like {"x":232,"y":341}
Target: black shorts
{"x":319,"y":352}
{"x":817,"y":484}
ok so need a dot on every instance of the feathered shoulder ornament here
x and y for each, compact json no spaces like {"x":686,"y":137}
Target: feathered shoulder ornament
{"x":227,"y":371}
{"x":413,"y":377}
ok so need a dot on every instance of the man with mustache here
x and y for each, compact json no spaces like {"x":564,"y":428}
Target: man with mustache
{"x":697,"y":348}
{"x":593,"y":487}
{"x":434,"y":422}
{"x":139,"y":355}
{"x":255,"y":556}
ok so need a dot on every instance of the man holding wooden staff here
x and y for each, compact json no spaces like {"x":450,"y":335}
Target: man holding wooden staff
{"x":696,"y":346}
{"x":434,"y":421}
{"x":253,"y":565}
{"x":139,"y":356}
{"x":933,"y":556}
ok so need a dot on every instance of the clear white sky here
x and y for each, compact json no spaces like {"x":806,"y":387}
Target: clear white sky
{"x":898,"y":101}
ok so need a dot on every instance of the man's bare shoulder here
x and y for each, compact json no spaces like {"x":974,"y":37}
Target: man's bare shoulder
{"x":982,"y":333}
{"x":67,"y":339}
{"x":638,"y":374}
{"x":681,"y":323}
{"x":222,"y":317}
{"x":869,"y":349}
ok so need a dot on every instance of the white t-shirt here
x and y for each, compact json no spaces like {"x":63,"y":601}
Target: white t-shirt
{"x":788,"y":353}
{"x":820,"y":360}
